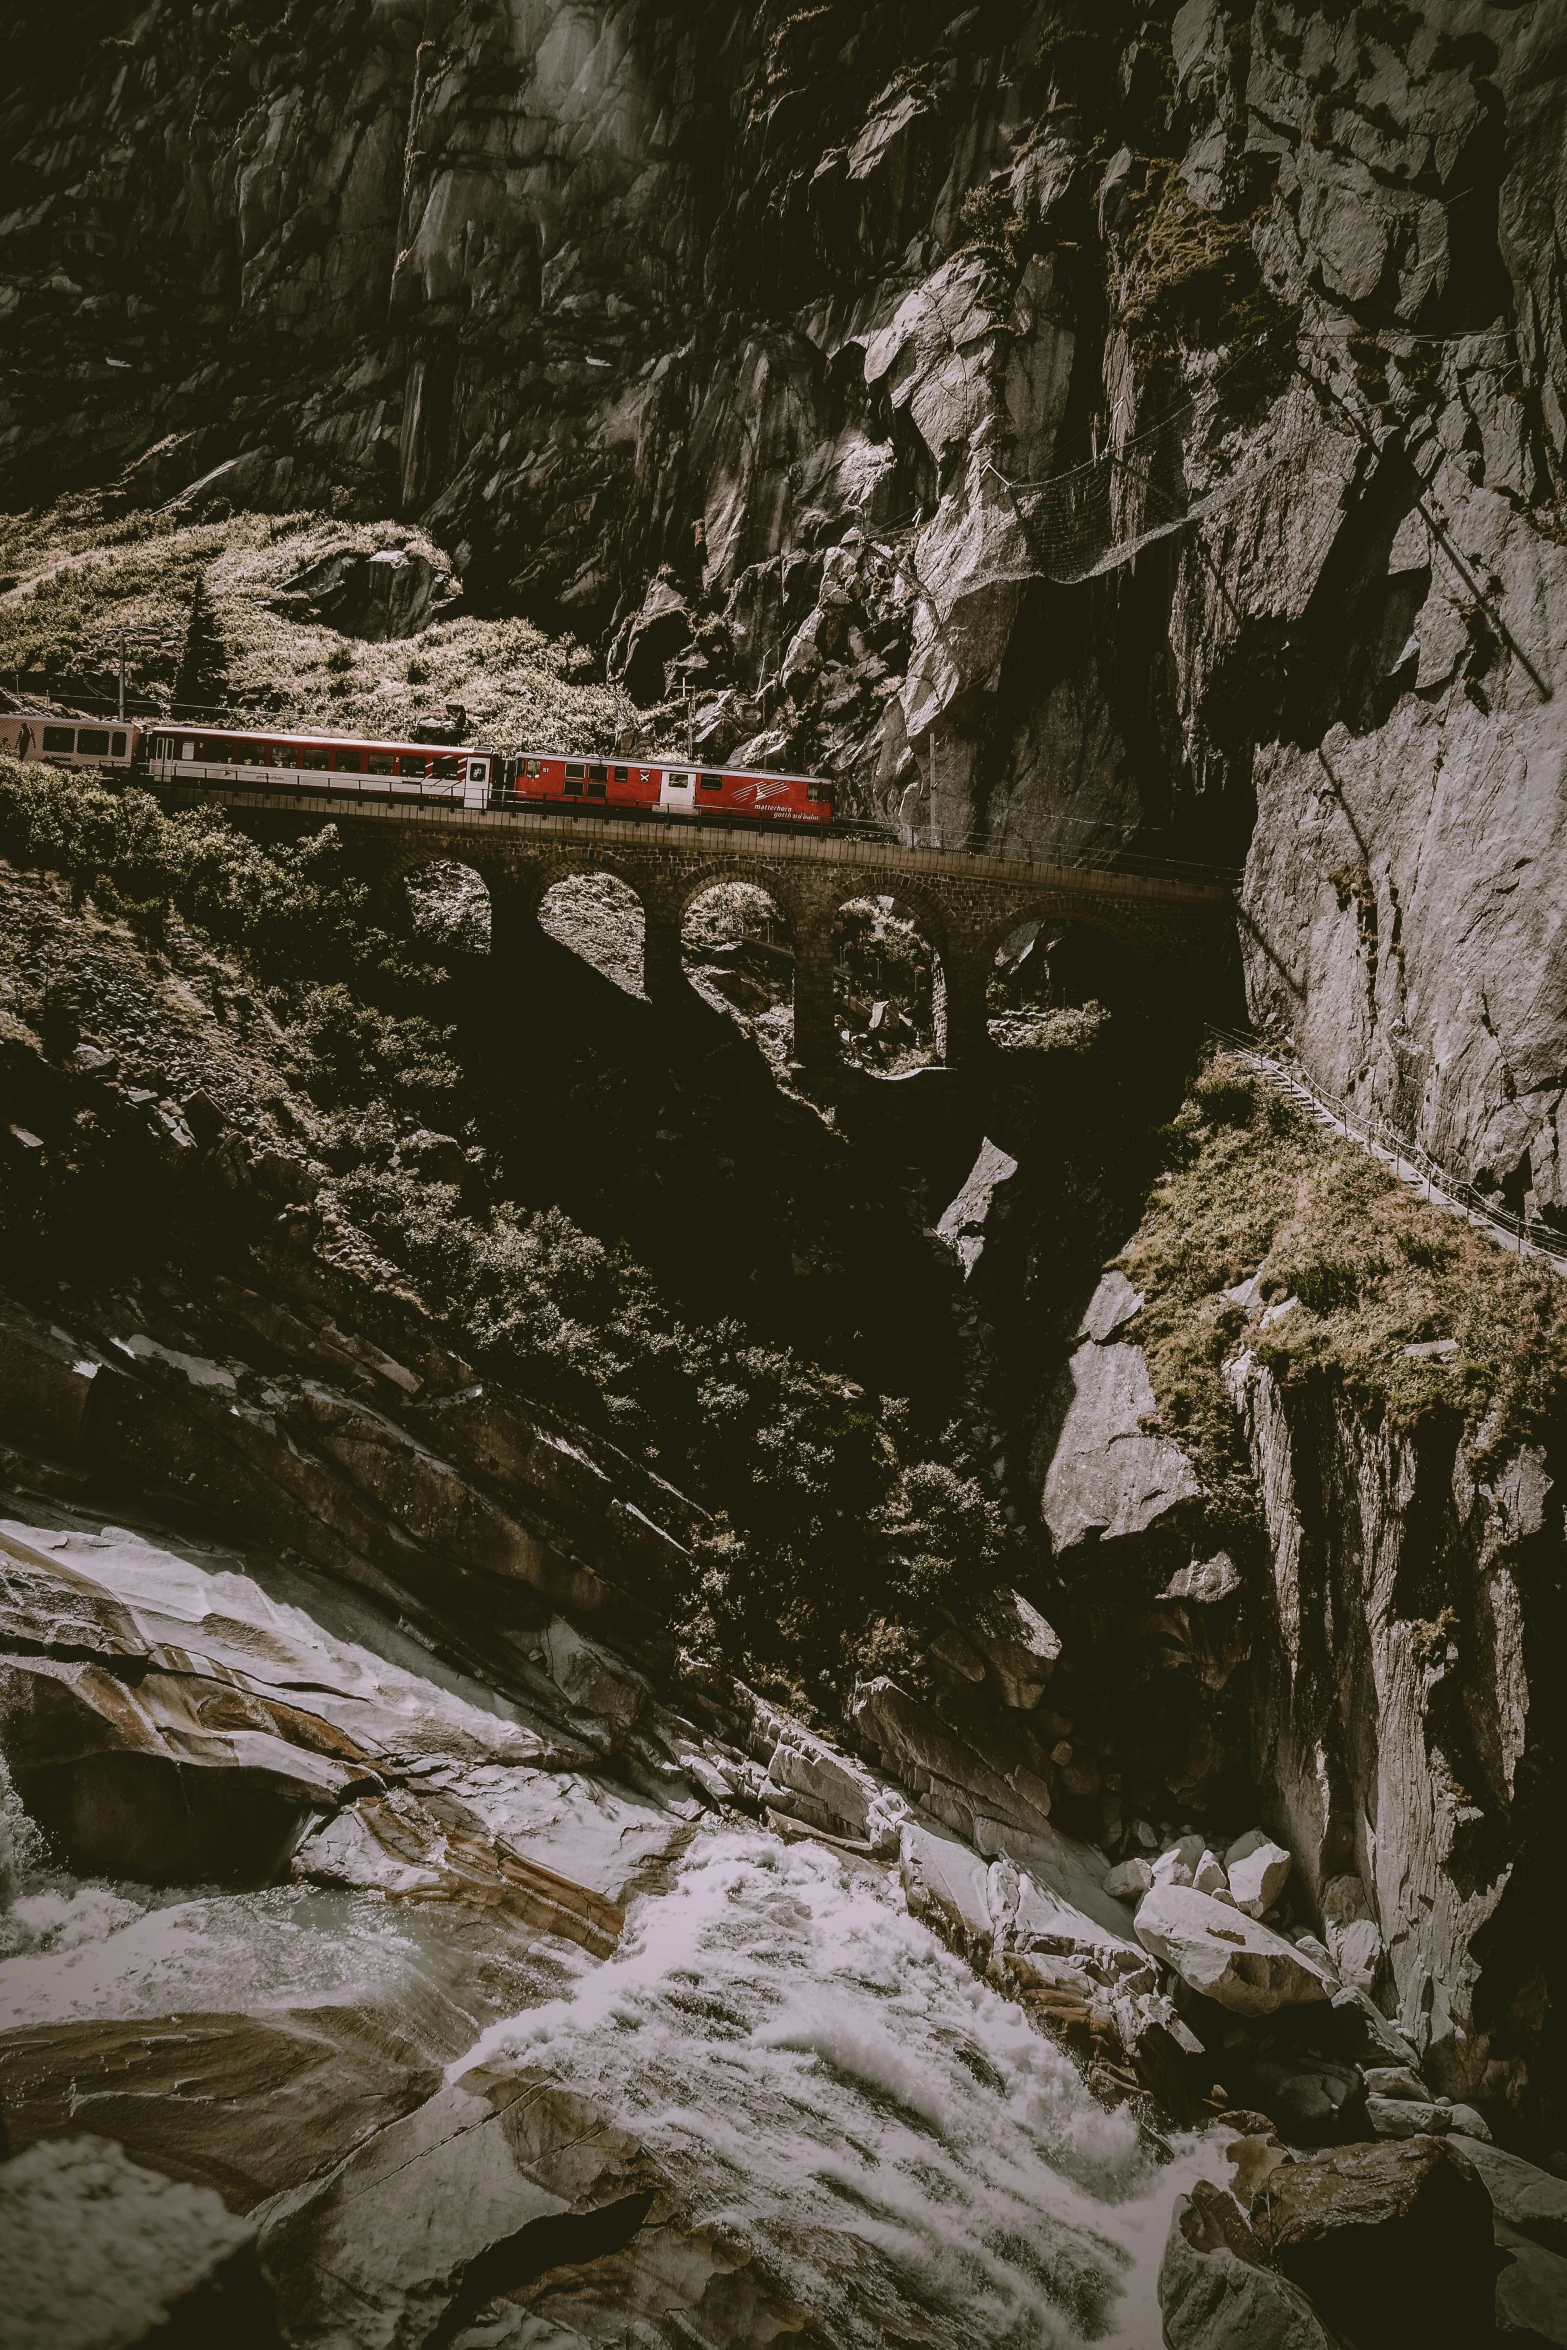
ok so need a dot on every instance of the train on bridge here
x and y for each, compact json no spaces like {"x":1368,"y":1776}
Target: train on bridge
{"x":351,"y":767}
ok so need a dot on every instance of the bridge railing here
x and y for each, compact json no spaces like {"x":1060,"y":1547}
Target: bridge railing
{"x":1409,"y":1160}
{"x":972,"y":843}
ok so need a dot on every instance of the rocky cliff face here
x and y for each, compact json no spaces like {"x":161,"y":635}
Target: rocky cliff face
{"x":736,"y":339}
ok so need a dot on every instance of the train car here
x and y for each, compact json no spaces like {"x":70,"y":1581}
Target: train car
{"x":335,"y":766}
{"x":69,"y":742}
{"x":635,"y":787}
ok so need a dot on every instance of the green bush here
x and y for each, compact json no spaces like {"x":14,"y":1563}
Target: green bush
{"x":822,"y":1524}
{"x":296,"y":913}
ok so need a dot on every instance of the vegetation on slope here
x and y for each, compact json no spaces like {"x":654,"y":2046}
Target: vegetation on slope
{"x":1254,"y":1187}
{"x":833,"y":1529}
{"x":70,"y":579}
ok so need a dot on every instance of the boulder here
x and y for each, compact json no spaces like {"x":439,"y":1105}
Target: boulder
{"x":1403,"y":2117}
{"x":495,"y":2180}
{"x":1112,"y":1306}
{"x":947,"y":1883}
{"x":1225,"y":1955}
{"x":1314,"y":2101}
{"x":429,"y":1848}
{"x":170,"y":1778}
{"x":1395,"y":2080}
{"x":1209,"y":1877}
{"x":1531,"y":2294}
{"x":1258,"y":1871}
{"x":1391,"y":2241}
{"x":246,"y":2105}
{"x":987,"y":1800}
{"x":98,"y":2253}
{"x":1206,"y":1581}
{"x":1216,"y":2290}
{"x":1027,"y":1932}
{"x":1350,"y":1928}
{"x":1036,"y":1927}
{"x":1107,"y":1477}
{"x":381,"y":596}
{"x":965,"y":1223}
{"x":810,"y":1781}
{"x":591,"y":1676}
{"x":1018,"y":1647}
{"x":1129,"y":1880}
{"x":1532,"y":2202}
{"x":1177,"y":1863}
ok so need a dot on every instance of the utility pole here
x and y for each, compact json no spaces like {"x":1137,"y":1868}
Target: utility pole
{"x":687,"y":699}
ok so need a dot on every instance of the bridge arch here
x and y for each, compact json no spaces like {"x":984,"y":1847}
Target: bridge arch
{"x":447,"y":903}
{"x":599,"y":915}
{"x":737,"y":942}
{"x":890,"y":985}
{"x":1059,"y":910}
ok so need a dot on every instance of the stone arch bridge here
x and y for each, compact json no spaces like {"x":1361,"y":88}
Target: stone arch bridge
{"x":1182,"y":932}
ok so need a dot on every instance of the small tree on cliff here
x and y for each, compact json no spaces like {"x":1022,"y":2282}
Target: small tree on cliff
{"x":202,"y":682}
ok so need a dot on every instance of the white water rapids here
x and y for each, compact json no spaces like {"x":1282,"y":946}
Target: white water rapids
{"x":818,"y":2076}
{"x":905,"y":2158}
{"x":824,"y":2079}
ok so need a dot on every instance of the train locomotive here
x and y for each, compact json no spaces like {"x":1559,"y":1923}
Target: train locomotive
{"x":353,"y":767}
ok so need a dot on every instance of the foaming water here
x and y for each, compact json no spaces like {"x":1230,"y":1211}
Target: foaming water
{"x":822,"y":2079}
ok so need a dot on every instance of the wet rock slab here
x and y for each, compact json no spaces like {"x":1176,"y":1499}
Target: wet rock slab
{"x":99,"y":2253}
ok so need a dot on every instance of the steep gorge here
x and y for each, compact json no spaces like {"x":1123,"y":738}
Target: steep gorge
{"x":693,"y":1462}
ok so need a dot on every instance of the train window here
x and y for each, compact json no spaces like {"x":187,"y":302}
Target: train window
{"x":409,"y":763}
{"x":348,"y":762}
{"x":446,"y":770}
{"x":379,"y":763}
{"x":574,"y":780}
{"x":534,"y":767}
{"x":117,"y":747}
{"x":248,"y":754}
{"x":281,"y":755}
{"x":712,"y":783}
{"x":598,"y":791}
{"x":59,"y":738}
{"x":478,"y":769}
{"x":312,"y":755}
{"x":820,"y":791}
{"x":93,"y":738}
{"x":598,"y":775}
{"x":187,"y":749}
{"x":622,"y":775}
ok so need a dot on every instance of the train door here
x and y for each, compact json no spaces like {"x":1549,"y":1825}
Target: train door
{"x":678,"y":794}
{"x":476,"y":787}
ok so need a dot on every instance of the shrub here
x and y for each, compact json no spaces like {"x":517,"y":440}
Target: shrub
{"x":827,"y":1516}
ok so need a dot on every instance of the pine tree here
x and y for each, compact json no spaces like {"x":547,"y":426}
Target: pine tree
{"x":202,"y":682}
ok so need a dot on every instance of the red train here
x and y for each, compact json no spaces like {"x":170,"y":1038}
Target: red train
{"x":273,"y":759}
{"x":736,"y":795}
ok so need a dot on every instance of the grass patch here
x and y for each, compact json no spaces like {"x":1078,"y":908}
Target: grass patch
{"x":1254,"y":1186}
{"x":76,"y":578}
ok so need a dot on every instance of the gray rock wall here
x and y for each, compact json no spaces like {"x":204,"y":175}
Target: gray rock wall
{"x":596,"y":289}
{"x":1403,"y":1717}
